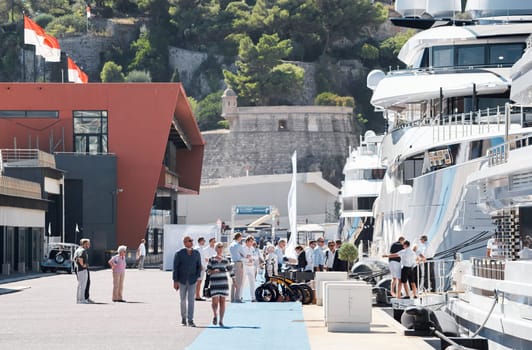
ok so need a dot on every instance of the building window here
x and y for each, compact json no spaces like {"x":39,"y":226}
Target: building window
{"x":90,"y":132}
{"x":29,"y":114}
{"x":282,"y":125}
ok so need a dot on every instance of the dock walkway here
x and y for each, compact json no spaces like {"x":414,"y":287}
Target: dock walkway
{"x":41,"y":313}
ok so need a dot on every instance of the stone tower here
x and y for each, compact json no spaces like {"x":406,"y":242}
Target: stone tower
{"x":229,"y":106}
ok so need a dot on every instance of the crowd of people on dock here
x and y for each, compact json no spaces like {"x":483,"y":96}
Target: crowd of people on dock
{"x":209,"y":270}
{"x":245,"y":265}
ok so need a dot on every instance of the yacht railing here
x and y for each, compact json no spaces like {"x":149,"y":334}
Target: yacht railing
{"x":499,"y":154}
{"x":488,"y":268}
{"x":452,"y":126}
{"x":431,"y":70}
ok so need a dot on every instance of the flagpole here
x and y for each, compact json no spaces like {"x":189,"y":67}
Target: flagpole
{"x":34,"y":64}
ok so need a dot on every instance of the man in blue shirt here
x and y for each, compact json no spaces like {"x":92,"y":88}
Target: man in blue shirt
{"x":319,"y":255}
{"x":187,"y":271}
{"x":237,"y":254}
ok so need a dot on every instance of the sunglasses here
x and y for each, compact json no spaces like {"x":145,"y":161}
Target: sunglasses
{"x":189,"y":240}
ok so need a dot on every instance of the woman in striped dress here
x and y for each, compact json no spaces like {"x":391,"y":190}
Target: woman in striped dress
{"x":217,"y":269}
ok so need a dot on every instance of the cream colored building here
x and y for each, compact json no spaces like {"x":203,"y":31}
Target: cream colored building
{"x":315,"y":199}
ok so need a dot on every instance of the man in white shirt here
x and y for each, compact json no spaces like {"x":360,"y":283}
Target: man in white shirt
{"x":200,"y":248}
{"x":250,"y":266}
{"x":209,"y":251}
{"x":408,"y":269}
{"x":141,"y":254}
{"x":279,"y":251}
{"x":425,"y":268}
{"x":309,"y":255}
{"x":329,"y":255}
{"x":526,"y":253}
{"x":492,"y":247}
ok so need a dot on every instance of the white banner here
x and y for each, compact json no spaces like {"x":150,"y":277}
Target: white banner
{"x":292,"y":211}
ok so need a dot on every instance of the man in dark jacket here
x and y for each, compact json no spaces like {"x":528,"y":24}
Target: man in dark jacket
{"x":339,"y":265}
{"x":187,"y":270}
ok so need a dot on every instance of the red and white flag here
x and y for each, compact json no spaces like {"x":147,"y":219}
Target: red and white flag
{"x":45,"y":45}
{"x":33,"y":33}
{"x":49,"y":49}
{"x":75,"y":74}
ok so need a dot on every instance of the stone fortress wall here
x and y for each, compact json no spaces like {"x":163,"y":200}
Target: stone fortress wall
{"x":261,"y":141}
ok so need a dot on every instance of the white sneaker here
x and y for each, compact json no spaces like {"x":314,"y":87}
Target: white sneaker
{"x":83,"y":302}
{"x":89,"y":301}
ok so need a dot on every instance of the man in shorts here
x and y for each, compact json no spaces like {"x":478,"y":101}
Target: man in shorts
{"x":395,"y":267}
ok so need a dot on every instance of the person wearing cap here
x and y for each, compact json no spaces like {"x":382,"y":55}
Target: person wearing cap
{"x":118,"y":266}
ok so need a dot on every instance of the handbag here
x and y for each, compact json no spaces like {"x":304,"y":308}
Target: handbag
{"x":206,"y":287}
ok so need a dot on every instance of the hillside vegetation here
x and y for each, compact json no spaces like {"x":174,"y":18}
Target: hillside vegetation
{"x":260,"y":41}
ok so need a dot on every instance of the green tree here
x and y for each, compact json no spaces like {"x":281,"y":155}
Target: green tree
{"x":138,"y":76}
{"x":112,"y":73}
{"x":348,"y":19}
{"x":348,"y":252}
{"x":54,"y":7}
{"x":67,"y":24}
{"x":390,"y":47}
{"x":369,"y":52}
{"x":209,"y":111}
{"x":330,"y":99}
{"x":151,"y":48}
{"x":10,"y":45}
{"x":261,"y":77}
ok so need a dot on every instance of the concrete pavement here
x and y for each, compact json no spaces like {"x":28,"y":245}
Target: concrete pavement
{"x":41,"y":313}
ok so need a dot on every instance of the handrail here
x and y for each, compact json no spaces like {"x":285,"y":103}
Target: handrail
{"x":449,"y":126}
{"x":432,"y":70}
{"x":499,"y":154}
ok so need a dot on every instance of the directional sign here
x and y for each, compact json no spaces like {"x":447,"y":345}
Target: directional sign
{"x":252,"y":210}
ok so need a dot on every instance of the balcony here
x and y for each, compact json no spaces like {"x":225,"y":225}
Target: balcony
{"x":28,"y":158}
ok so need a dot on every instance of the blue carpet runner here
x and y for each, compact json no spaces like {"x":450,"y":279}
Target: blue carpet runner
{"x":250,"y":326}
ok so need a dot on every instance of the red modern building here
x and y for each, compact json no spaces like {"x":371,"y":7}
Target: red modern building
{"x":126,"y":152}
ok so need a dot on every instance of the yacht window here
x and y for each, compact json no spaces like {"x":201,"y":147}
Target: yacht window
{"x":470,"y":55}
{"x":442,"y":56}
{"x":365,"y":203}
{"x":378,"y":174}
{"x":505,"y":53}
{"x":412,"y":168}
